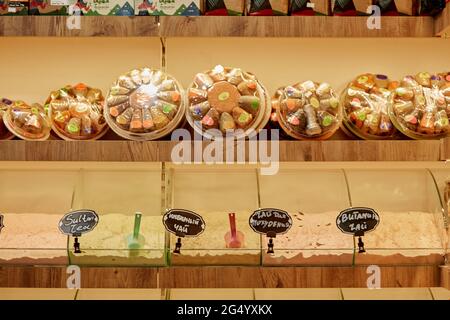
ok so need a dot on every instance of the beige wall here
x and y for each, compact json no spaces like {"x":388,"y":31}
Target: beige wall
{"x":32,"y":67}
{"x":279,"y":61}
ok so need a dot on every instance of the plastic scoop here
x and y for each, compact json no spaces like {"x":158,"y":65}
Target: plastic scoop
{"x":234,"y":238}
{"x":136,"y":241}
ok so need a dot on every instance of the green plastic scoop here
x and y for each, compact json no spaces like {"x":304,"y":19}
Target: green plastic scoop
{"x":136,"y":241}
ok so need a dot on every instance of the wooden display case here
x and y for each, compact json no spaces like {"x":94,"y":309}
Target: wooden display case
{"x":44,"y":54}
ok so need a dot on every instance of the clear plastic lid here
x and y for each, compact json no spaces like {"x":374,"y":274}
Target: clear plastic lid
{"x":5,"y":134}
{"x":308,"y":110}
{"x":227,"y":100}
{"x":145,"y":104}
{"x":27,"y":122}
{"x":420,"y":107}
{"x":76,"y":112}
{"x":365,"y":103}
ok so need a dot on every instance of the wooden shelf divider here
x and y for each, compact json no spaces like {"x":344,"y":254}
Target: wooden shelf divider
{"x":206,"y":26}
{"x":123,"y":150}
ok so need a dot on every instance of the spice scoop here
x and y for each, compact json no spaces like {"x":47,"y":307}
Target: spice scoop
{"x":135,"y":240}
{"x":234,"y":238}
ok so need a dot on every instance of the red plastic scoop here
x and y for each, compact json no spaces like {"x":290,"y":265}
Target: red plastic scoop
{"x":233,"y":238}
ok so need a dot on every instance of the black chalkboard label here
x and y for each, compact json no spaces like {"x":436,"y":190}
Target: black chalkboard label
{"x":76,"y":223}
{"x":270,"y":221}
{"x":1,"y":222}
{"x":184,"y":223}
{"x":357,"y":220}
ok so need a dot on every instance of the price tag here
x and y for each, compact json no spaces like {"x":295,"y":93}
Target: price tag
{"x":357,"y":221}
{"x":76,"y":223}
{"x":270,"y":222}
{"x":59,"y":2}
{"x":183,"y":223}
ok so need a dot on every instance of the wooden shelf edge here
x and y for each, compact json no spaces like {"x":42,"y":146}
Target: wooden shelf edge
{"x":207,"y":26}
{"x":442,"y":23}
{"x":65,"y":26}
{"x":294,"y":26}
{"x":445,"y":149}
{"x":160,"y":151}
{"x":222,"y":277}
{"x":445,"y":277}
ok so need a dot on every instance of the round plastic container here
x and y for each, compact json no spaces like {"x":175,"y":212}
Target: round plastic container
{"x":76,"y":112}
{"x":145,"y":104}
{"x":420,"y":107}
{"x":227,"y":102}
{"x":5,"y":134}
{"x":365,"y":104}
{"x":27,"y":122}
{"x":308,"y":110}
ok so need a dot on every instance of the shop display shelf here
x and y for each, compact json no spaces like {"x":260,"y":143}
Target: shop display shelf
{"x":214,"y":192}
{"x":289,"y":150}
{"x":208,"y":26}
{"x":125,"y":199}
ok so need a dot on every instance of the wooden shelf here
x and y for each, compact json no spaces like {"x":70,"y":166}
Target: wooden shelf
{"x":442,"y":23}
{"x":206,"y":26}
{"x":334,"y":150}
{"x":295,"y":27}
{"x":222,"y":277}
{"x":445,"y":277}
{"x":445,"y":149}
{"x":100,"y":26}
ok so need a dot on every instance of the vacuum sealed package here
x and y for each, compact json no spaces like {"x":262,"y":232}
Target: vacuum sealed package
{"x":308,"y":110}
{"x":309,"y":8}
{"x":5,"y":134}
{"x":420,"y":107}
{"x":224,"y":7}
{"x":145,"y":104}
{"x":431,"y":7}
{"x":351,"y":7}
{"x":227,"y":101}
{"x":397,"y":7}
{"x":365,"y":107}
{"x":14,"y":7}
{"x":27,"y":122}
{"x":76,"y":112}
{"x":50,"y":7}
{"x":167,"y":8}
{"x":268,"y":7}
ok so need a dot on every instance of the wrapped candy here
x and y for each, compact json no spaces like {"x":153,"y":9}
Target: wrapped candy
{"x":228,"y":99}
{"x":365,"y":104}
{"x":211,"y":119}
{"x":197,"y":95}
{"x":226,"y":122}
{"x":76,"y":112}
{"x":241,"y":117}
{"x":5,"y":134}
{"x":419,"y":109}
{"x":146,"y":104}
{"x":308,"y":110}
